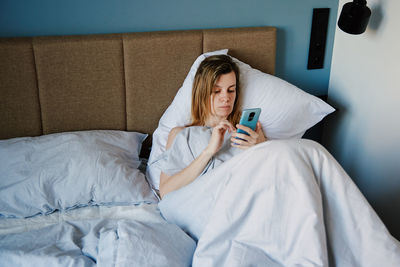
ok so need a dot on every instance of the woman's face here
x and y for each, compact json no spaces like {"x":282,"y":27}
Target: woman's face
{"x":223,"y":95}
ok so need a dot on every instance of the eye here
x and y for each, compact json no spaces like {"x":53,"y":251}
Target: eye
{"x":216,"y":91}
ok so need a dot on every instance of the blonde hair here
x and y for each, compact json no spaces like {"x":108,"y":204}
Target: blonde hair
{"x":206,"y":76}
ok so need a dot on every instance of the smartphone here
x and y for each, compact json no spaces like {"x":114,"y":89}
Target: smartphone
{"x":249,"y":118}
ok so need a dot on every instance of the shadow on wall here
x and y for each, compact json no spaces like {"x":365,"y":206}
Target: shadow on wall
{"x":377,"y":16}
{"x":384,"y":208}
{"x":337,"y":140}
{"x":344,"y":149}
{"x":281,"y":47}
{"x":333,"y":125}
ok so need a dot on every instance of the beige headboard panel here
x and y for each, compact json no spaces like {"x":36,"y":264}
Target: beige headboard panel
{"x":112,"y":81}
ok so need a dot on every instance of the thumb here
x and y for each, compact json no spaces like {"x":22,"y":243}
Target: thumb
{"x":258,"y":127}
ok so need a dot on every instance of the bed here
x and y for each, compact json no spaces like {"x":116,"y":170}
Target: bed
{"x":83,"y":121}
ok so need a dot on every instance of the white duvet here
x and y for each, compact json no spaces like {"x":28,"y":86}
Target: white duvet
{"x":95,"y":236}
{"x":281,"y":203}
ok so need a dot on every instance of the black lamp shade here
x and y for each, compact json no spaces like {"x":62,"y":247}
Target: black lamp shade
{"x":354,"y":17}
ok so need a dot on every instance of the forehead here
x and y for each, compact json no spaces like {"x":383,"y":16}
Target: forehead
{"x":227,"y":79}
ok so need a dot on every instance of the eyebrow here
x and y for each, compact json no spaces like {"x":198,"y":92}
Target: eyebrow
{"x":216,"y":85}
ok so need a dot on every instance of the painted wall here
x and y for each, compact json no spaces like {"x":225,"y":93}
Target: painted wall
{"x":364,"y":84}
{"x":293,"y":19}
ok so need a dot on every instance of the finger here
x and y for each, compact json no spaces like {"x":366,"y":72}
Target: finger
{"x":254,"y":136}
{"x":241,"y":136}
{"x":228,"y":124}
{"x":249,"y":139}
{"x":222,"y":126}
{"x":251,"y":136}
{"x":258,"y":126}
{"x":252,"y":139}
{"x":236,"y":142}
{"x":240,"y":142}
{"x":245,"y":128}
{"x":259,"y":129}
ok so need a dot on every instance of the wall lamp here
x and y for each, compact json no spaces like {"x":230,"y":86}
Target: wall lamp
{"x":354,"y":17}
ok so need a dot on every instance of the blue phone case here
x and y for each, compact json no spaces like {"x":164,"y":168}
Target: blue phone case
{"x":249,"y":118}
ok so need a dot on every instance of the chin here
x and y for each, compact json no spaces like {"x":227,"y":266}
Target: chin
{"x":224,"y":115}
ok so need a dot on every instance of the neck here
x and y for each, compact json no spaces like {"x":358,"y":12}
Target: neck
{"x":213,"y":121}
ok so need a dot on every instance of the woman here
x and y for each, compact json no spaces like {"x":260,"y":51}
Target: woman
{"x":282,"y":203}
{"x":215,"y":105}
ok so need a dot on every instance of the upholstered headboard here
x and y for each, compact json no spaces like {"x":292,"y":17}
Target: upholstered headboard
{"x":112,"y":81}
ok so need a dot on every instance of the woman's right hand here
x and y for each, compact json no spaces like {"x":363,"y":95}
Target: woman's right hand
{"x":217,"y":136}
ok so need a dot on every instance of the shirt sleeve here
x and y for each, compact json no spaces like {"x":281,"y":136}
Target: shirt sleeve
{"x":177,"y":157}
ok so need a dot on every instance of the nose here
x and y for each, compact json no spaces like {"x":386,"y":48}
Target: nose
{"x":224,"y":96}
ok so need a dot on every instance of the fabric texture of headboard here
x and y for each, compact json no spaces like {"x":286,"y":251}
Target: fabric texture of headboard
{"x":111,"y":81}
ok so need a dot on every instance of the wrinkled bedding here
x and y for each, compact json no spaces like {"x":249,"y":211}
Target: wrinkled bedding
{"x":95,"y":236}
{"x":80,"y":199}
{"x":280,"y":203}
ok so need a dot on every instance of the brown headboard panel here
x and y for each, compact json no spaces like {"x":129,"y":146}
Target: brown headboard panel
{"x":112,"y":81}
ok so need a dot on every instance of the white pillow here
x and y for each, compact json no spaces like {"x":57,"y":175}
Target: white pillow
{"x":39,"y":175}
{"x":287,"y":111}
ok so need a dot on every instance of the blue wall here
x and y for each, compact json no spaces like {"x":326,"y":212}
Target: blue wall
{"x":292,"y":18}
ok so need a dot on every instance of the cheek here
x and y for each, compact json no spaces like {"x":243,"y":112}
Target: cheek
{"x":233,"y":97}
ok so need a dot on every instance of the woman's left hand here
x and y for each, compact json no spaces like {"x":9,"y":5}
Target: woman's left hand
{"x":254,"y":137}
